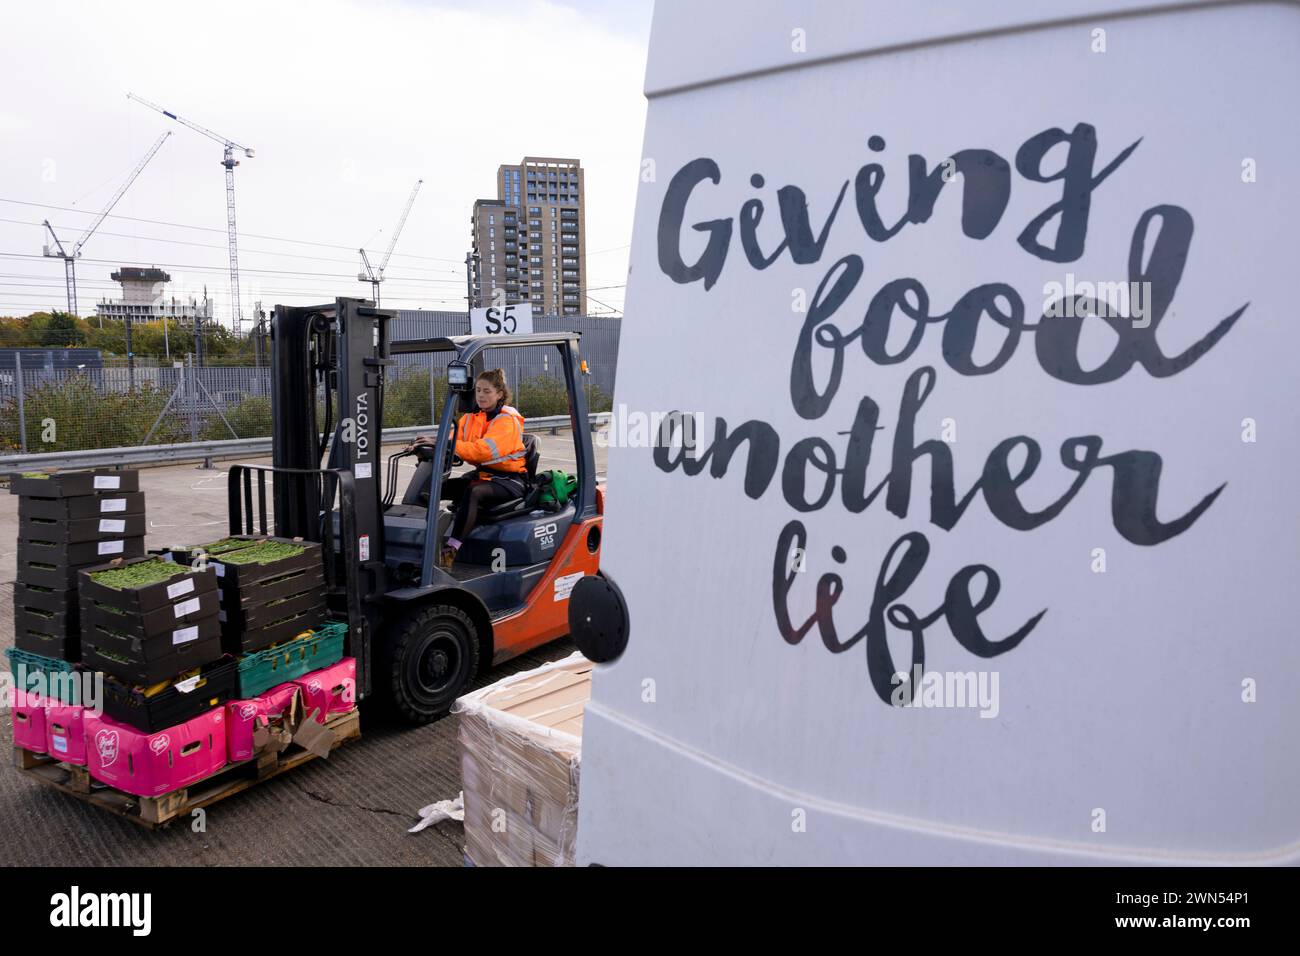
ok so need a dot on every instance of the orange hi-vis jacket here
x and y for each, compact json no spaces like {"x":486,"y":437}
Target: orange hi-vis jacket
{"x":497,"y":443}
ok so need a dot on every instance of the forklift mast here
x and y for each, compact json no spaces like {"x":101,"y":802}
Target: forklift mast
{"x":340,"y":353}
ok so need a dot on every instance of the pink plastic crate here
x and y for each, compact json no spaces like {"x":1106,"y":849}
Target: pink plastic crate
{"x":29,"y":721}
{"x":65,"y":734}
{"x":242,"y":717}
{"x":152,"y":764}
{"x":330,"y":690}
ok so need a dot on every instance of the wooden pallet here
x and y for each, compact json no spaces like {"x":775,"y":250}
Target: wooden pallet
{"x":154,"y":812}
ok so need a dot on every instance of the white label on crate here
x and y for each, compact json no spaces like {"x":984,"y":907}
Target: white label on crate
{"x":184,"y":635}
{"x":109,"y":505}
{"x":61,"y":744}
{"x":112,"y":525}
{"x":363,"y":545}
{"x":111,"y":482}
{"x":187,"y":607}
{"x":221,"y":569}
{"x":180,"y":587}
{"x":564,"y":585}
{"x":188,"y":685}
{"x":111,"y":547}
{"x":362,"y":470}
{"x":221,"y":615}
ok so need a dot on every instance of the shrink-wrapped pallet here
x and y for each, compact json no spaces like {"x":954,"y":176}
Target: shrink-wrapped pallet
{"x":521,"y":745}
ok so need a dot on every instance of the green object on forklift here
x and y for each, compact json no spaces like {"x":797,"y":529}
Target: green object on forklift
{"x":555,"y":488}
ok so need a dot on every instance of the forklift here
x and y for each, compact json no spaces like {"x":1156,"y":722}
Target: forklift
{"x":419,"y":632}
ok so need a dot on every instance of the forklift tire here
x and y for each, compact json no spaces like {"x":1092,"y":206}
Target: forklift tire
{"x":428,"y":661}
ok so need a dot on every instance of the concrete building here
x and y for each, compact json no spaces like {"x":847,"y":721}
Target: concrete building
{"x":144,"y":298}
{"x":530,"y":241}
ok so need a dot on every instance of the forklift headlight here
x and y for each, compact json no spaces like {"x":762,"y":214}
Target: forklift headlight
{"x":458,"y":376}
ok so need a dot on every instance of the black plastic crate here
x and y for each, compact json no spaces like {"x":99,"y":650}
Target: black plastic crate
{"x":48,"y":643}
{"x":181,"y":586}
{"x":183,"y":700}
{"x":150,"y":660}
{"x":236,"y":575}
{"x":159,"y":621}
{"x":261,"y":593}
{"x":67,"y":484}
{"x":64,"y":555}
{"x":257,"y":616}
{"x":236,"y":640}
{"x":46,"y":599}
{"x":77,"y":530}
{"x":52,"y":576}
{"x":106,"y":504}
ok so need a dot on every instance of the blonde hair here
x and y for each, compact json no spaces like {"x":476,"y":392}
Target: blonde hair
{"x":497,"y":379}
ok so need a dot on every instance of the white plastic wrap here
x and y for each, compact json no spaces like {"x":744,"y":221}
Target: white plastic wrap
{"x":521,"y":746}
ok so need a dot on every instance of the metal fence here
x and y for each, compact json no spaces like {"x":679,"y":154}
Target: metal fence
{"x":45,"y":410}
{"x":105,"y":408}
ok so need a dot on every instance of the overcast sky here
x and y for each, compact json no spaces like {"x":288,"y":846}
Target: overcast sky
{"x":346,"y":103}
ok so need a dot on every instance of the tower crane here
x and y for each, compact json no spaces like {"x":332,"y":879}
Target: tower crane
{"x":70,"y":258}
{"x":229,"y":162}
{"x":376,"y":276}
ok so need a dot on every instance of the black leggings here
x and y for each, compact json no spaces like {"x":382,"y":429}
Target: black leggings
{"x":472,"y":493}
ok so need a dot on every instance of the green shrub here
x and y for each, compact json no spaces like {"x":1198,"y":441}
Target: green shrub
{"x":406,"y":399}
{"x":542,"y":396}
{"x":80,"y":416}
{"x":251,"y":418}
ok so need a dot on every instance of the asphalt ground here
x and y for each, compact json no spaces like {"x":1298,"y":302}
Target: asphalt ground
{"x":352,"y":809}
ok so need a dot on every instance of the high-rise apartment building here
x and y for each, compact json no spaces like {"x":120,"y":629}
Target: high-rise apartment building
{"x":530,"y":242}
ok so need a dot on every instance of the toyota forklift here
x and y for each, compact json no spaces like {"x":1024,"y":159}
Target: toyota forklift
{"x":419,"y":632}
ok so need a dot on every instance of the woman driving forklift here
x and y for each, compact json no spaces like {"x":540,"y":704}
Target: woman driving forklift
{"x":493,"y":439}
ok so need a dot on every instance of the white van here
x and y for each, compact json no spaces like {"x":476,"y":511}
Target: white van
{"x":986,"y":543}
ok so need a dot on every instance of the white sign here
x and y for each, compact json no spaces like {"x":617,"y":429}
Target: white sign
{"x":564,"y":585}
{"x":988,"y":547}
{"x":507,"y":320}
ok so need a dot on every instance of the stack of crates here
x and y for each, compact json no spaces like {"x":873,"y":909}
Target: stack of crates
{"x":151,"y":627}
{"x":271,"y":589}
{"x":66,"y":522}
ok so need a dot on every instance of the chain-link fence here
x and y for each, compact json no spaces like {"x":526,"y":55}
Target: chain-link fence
{"x":49,"y":410}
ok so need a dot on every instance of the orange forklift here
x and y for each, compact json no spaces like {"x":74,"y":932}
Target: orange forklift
{"x":419,"y":632}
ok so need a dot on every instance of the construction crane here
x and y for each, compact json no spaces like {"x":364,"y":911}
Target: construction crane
{"x":70,"y":258}
{"x":376,"y":276}
{"x":229,"y":162}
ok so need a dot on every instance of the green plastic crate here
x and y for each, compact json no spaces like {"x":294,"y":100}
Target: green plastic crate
{"x":27,"y":669}
{"x":265,"y":669}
